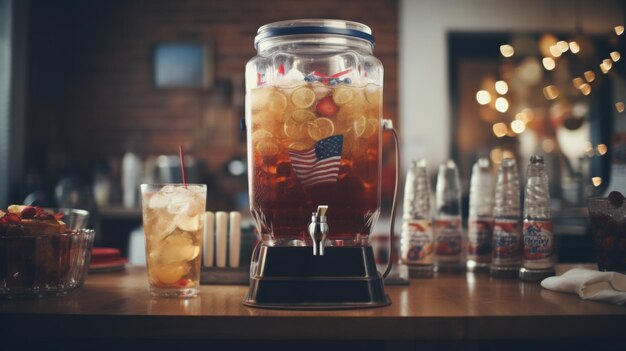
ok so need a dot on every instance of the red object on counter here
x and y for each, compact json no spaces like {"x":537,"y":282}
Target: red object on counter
{"x":106,"y":259}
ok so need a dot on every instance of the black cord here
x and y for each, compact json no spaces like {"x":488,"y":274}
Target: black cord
{"x":392,"y":233}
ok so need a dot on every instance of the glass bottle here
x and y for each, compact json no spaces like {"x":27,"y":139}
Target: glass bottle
{"x":131,"y":175}
{"x":538,"y":258}
{"x":507,"y":235}
{"x":449,"y":253}
{"x":416,"y":245}
{"x":480,"y":221}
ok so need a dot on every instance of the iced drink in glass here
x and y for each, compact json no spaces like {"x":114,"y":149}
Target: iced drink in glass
{"x":608,"y":225}
{"x":172,"y":219}
{"x":315,"y":144}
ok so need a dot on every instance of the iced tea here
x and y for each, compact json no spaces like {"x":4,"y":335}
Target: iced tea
{"x":608,"y":225}
{"x":172,"y":218}
{"x":315,"y":144}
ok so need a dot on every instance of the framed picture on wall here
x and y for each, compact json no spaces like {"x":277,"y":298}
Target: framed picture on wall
{"x":183,"y":65}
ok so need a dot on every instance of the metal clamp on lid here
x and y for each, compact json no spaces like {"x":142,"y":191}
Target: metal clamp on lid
{"x":318,"y":230}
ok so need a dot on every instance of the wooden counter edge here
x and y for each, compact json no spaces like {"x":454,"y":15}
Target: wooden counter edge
{"x":310,"y":328}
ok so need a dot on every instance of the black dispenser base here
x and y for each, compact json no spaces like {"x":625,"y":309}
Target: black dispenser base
{"x":292,"y":278}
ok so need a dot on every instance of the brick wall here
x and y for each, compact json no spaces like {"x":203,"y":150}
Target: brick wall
{"x":91,"y":88}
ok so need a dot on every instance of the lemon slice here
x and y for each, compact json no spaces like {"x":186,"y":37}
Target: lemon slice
{"x":295,"y":130}
{"x":179,"y":247}
{"x":260,"y":135}
{"x":168,"y":274}
{"x":360,"y":125}
{"x":372,"y":127}
{"x":373,"y":94}
{"x":299,"y":145}
{"x":277,"y":102}
{"x":342,"y":95}
{"x":303,"y":97}
{"x":267,"y":148}
{"x":321,"y":128}
{"x":302,"y":116}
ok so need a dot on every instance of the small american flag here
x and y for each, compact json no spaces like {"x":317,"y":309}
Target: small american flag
{"x":319,"y":163}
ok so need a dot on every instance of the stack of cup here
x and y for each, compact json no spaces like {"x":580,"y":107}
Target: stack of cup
{"x":222,"y":239}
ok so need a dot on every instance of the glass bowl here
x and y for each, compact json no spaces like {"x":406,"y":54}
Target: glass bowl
{"x":75,"y":219}
{"x":35,"y":266}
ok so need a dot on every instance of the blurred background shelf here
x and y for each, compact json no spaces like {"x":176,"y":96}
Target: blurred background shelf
{"x":114,"y":226}
{"x":119,"y":213}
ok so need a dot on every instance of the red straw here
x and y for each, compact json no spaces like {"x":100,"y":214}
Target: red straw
{"x":182,"y":165}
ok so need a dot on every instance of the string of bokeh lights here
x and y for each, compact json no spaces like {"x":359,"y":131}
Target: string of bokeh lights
{"x":551,"y":92}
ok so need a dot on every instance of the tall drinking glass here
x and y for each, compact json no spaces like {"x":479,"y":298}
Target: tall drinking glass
{"x":608,"y":225}
{"x":172,"y":219}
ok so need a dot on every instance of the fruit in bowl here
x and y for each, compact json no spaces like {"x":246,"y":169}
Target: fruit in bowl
{"x":40,"y":255}
{"x":30,"y":220}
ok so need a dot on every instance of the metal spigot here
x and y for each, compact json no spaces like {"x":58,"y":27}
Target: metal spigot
{"x":318,"y":229}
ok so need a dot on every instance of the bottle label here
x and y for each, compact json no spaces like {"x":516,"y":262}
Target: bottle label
{"x":479,"y":233}
{"x":417,"y":242}
{"x":507,"y":241}
{"x":449,"y":238}
{"x":538,"y":242}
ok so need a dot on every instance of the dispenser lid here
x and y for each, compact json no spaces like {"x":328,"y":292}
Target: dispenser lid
{"x":314,"y":26}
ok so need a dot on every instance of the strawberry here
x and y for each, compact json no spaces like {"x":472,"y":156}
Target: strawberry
{"x":326,"y":107}
{"x":43,"y":214}
{"x":28,"y":212}
{"x":12,"y":218}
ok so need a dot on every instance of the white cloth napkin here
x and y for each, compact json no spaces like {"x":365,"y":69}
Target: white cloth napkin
{"x":590,"y":285}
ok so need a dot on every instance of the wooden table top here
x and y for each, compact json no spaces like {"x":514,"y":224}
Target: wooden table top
{"x":448,"y":307}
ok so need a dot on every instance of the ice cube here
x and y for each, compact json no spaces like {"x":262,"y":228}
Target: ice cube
{"x":161,"y":225}
{"x":158,"y":200}
{"x":294,"y":75}
{"x":190,"y":201}
{"x":292,"y":79}
{"x":187,"y":223}
{"x":168,"y":189}
{"x":178,"y":247}
{"x":197,"y":208}
{"x":158,"y":222}
{"x":153,"y":256}
{"x":179,"y":202}
{"x":196,"y":188}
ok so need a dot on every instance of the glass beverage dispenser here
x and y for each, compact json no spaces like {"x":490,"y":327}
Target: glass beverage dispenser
{"x":313,"y":117}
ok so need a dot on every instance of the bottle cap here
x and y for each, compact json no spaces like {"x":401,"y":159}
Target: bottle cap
{"x":536,"y":159}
